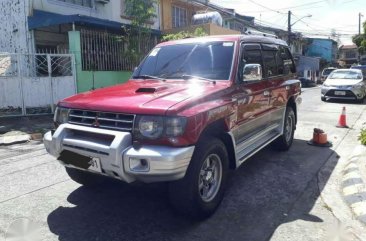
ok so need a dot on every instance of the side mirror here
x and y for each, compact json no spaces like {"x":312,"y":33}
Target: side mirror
{"x":252,"y":72}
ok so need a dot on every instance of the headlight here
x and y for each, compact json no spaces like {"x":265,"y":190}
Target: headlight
{"x":175,"y":126}
{"x":154,"y":127}
{"x":151,"y":126}
{"x":358,"y":85}
{"x":61,"y":115}
{"x":325,"y":84}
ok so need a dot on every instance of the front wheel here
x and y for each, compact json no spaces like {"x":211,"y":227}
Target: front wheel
{"x":323,"y":98}
{"x":201,"y":191}
{"x":284,"y":142}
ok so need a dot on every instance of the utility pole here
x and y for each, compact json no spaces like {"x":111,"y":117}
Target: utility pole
{"x":289,"y":28}
{"x":359,"y":23}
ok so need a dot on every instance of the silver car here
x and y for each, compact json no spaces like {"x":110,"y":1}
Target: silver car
{"x":346,"y":84}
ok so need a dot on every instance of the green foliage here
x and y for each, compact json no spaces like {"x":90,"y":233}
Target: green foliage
{"x":198,"y":32}
{"x":141,"y":13}
{"x":362,"y":137}
{"x":360,"y":40}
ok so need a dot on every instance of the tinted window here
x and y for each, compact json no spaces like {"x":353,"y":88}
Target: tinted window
{"x":252,"y":57}
{"x":270,"y":66}
{"x":211,"y":60}
{"x":288,"y":63}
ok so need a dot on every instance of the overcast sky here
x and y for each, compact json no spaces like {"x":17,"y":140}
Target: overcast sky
{"x":341,"y":15}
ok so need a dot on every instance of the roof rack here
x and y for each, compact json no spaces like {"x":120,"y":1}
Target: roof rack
{"x":258,"y":33}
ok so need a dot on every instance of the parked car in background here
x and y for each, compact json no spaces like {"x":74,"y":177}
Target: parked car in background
{"x":305,"y":82}
{"x":362,"y":68}
{"x":325,"y":73}
{"x":347,"y":84}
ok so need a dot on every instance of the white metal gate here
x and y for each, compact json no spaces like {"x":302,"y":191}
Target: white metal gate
{"x":32,"y":84}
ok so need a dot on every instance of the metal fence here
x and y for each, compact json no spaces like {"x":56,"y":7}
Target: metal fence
{"x":34,"y":83}
{"x":104,"y":51}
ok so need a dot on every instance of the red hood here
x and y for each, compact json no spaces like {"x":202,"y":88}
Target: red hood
{"x":143,"y":97}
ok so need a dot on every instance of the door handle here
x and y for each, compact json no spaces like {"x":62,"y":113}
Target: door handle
{"x":266,"y":93}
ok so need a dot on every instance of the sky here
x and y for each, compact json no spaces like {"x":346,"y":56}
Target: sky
{"x":340,"y":15}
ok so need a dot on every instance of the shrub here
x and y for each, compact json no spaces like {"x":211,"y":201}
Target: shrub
{"x":362,"y":137}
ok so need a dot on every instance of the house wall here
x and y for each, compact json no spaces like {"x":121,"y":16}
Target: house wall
{"x":84,"y":79}
{"x":14,"y":34}
{"x":166,"y":11}
{"x":113,"y":11}
{"x":324,"y":48}
{"x":209,"y":28}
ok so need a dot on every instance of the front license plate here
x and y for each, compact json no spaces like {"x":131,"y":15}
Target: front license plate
{"x":340,"y":92}
{"x":95,"y":164}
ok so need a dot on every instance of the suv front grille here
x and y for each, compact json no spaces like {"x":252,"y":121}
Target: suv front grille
{"x":104,"y":120}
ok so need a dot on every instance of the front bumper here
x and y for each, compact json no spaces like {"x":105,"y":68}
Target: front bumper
{"x":117,"y":156}
{"x":351,"y":93}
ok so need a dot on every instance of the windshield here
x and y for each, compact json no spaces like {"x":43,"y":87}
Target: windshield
{"x":328,"y":71}
{"x":212,"y":60}
{"x":345,"y":75}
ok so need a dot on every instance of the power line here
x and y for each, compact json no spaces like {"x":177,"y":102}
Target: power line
{"x":270,"y":9}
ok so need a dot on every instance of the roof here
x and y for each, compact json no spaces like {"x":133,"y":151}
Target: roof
{"x":244,"y":38}
{"x":41,"y":19}
{"x":351,"y":46}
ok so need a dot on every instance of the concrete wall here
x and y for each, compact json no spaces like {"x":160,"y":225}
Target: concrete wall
{"x":84,"y":79}
{"x":111,"y":11}
{"x":14,"y":34}
{"x":210,"y":29}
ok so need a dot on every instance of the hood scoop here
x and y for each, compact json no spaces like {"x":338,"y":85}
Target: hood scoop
{"x":150,"y":89}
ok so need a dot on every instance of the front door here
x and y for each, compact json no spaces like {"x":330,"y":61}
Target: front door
{"x":253,"y":98}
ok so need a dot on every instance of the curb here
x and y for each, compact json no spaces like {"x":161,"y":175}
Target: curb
{"x":354,"y":183}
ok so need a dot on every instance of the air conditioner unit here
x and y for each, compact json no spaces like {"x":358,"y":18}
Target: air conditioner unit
{"x":102,"y":1}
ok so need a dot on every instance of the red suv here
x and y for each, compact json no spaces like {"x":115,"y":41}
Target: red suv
{"x":193,"y":110}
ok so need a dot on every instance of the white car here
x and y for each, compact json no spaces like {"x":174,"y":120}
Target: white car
{"x":346,"y":84}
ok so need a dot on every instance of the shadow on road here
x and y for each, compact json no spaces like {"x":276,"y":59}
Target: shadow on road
{"x":259,"y":198}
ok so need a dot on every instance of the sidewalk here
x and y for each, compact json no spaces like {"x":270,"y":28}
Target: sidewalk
{"x":348,"y":179}
{"x":22,"y":129}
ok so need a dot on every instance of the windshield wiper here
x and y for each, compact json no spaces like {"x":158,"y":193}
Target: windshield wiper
{"x":187,"y":77}
{"x":145,"y":76}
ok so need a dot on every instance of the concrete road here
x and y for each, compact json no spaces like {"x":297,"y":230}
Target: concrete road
{"x":273,"y":196}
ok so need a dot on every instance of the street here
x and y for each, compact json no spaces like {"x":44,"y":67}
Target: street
{"x":273,"y":196}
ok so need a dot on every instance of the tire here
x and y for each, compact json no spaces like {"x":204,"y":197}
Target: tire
{"x":284,"y":142}
{"x":323,"y":99}
{"x":83,"y":177}
{"x":195,"y":196}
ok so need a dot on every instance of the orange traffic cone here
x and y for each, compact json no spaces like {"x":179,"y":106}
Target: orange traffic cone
{"x":342,"y":119}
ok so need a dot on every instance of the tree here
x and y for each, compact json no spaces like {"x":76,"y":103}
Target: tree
{"x":198,"y":32}
{"x":141,"y":13}
{"x":360,"y":40}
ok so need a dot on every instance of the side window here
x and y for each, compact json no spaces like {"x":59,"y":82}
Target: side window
{"x":280,"y":63}
{"x":251,"y":58}
{"x":288,"y":63}
{"x":270,"y":66}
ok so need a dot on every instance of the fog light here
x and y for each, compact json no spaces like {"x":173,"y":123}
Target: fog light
{"x":139,"y":165}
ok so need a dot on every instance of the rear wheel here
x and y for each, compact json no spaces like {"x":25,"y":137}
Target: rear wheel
{"x":83,"y":177}
{"x":284,"y":142}
{"x":201,"y":191}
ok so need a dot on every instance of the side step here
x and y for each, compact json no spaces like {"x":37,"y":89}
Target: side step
{"x":253,"y":145}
